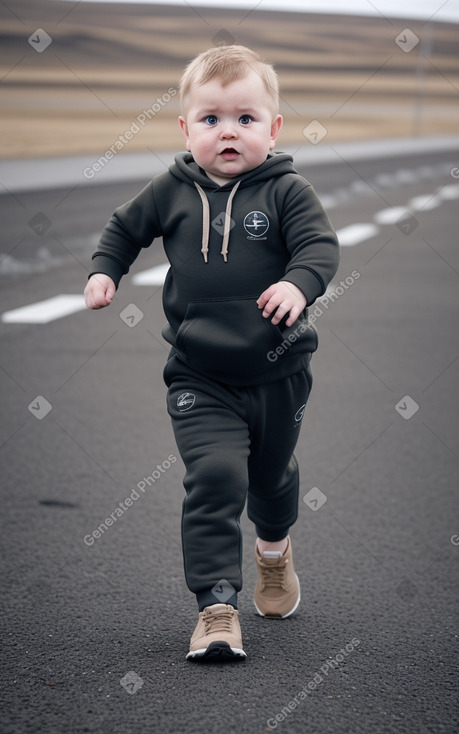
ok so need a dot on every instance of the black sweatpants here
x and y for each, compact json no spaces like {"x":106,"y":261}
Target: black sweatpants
{"x":237,"y":444}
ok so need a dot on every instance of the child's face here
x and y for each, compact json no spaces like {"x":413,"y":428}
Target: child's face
{"x":230,"y":130}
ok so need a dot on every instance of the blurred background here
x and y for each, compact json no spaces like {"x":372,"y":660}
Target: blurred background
{"x":76,"y":75}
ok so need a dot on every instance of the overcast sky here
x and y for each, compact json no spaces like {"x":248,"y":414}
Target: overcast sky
{"x":440,"y":10}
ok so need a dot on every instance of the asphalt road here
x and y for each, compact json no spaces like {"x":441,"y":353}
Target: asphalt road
{"x":96,"y":624}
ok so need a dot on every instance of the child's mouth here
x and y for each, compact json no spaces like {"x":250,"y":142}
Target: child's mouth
{"x":229,"y":154}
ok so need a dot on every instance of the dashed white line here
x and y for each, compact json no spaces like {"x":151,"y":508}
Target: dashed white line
{"x":424,"y":203}
{"x":386,"y":180}
{"x":390,"y":215}
{"x":329,"y":201}
{"x":355,"y":233}
{"x":45,"y":311}
{"x":153,"y":276}
{"x":404,"y":175}
{"x":449,"y":192}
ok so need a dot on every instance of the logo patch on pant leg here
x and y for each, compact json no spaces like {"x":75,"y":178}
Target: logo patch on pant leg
{"x":300,"y":413}
{"x":185,"y":401}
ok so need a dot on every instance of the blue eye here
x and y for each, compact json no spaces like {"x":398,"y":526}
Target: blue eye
{"x":245,"y":119}
{"x":211,"y":119}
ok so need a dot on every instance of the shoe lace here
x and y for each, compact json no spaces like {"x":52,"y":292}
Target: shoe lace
{"x":221,"y":622}
{"x":273,"y":575}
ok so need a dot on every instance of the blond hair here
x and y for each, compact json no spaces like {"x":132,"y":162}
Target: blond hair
{"x":229,"y":64}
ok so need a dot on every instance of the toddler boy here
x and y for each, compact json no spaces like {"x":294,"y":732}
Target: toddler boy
{"x":249,"y":247}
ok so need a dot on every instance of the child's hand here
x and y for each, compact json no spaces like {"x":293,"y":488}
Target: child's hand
{"x":284,"y":296}
{"x":99,"y":291}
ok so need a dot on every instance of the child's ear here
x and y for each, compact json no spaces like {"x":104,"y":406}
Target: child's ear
{"x":184,"y":129}
{"x":275,"y":130}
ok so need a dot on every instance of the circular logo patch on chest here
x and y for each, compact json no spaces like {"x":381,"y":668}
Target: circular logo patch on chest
{"x":256,"y":224}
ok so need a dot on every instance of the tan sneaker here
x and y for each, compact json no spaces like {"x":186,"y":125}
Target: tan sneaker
{"x":217,"y":636}
{"x":277,"y":592}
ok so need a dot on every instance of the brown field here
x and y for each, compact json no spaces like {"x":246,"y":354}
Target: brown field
{"x":108,"y":63}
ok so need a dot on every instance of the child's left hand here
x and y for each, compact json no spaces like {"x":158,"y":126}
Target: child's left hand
{"x":284,"y":296}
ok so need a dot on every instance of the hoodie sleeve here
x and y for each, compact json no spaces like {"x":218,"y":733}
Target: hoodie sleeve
{"x":311,"y":242}
{"x":132,"y":226}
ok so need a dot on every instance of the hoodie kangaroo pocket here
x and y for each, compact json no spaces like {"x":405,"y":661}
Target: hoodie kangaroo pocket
{"x":227,"y":335}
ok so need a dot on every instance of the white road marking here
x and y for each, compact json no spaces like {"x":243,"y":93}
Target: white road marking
{"x":449,"y":192}
{"x":424,"y":203}
{"x":153,"y":276}
{"x":403,"y":175}
{"x":385,"y":180}
{"x":45,"y":311}
{"x":328,"y":201}
{"x":355,"y":233}
{"x":425,"y":171}
{"x":390,"y":215}
{"x":360,"y":187}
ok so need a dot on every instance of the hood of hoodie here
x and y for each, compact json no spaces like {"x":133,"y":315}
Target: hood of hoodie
{"x":186,"y":169}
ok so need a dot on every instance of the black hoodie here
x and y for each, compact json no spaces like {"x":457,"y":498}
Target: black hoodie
{"x":226,"y":245}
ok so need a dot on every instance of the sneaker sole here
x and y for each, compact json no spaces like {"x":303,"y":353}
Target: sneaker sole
{"x":218,"y":651}
{"x":280,"y":616}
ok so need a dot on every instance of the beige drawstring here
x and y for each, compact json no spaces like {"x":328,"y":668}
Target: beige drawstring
{"x":206,"y":222}
{"x":227,"y":228}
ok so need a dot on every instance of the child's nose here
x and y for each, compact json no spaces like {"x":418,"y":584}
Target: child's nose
{"x":228,"y":130}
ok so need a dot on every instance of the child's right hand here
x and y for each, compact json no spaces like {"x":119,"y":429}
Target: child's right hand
{"x":99,"y":292}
